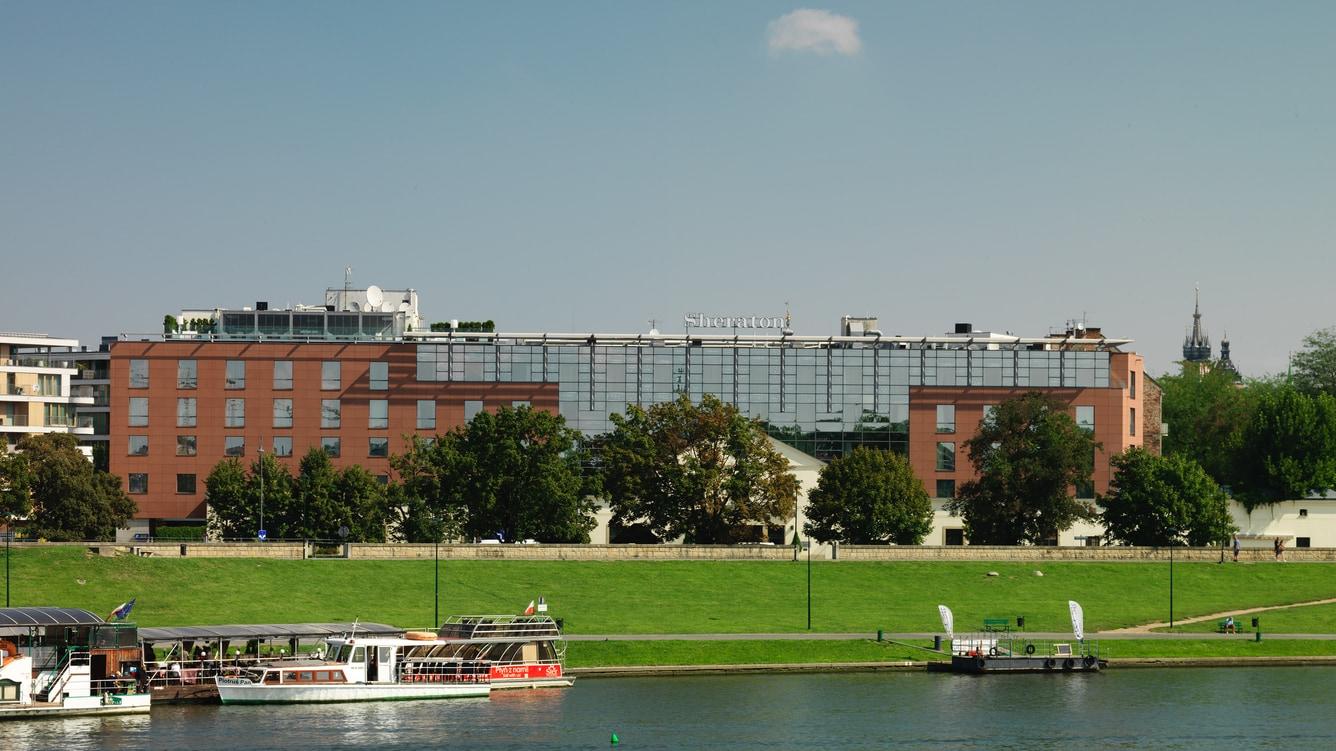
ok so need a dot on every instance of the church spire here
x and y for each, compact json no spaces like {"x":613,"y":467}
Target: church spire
{"x":1196,"y":346}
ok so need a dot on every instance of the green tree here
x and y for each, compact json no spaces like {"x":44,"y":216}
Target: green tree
{"x":321,"y":512}
{"x":67,"y":499}
{"x":869,"y":497}
{"x":15,"y":485}
{"x":1314,"y":367}
{"x":703,"y":472}
{"x":1164,"y":500}
{"x":1028,"y":456}
{"x":364,"y":497}
{"x":240,"y":499}
{"x":426,"y":504}
{"x":522,"y":469}
{"x":516,"y":472}
{"x":1207,"y":412}
{"x":1291,"y":447}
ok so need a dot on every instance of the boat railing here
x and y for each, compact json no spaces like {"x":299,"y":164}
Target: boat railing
{"x":60,"y":675}
{"x":195,"y":672}
{"x":445,"y":671}
{"x":515,"y":627}
{"x":1018,"y":644}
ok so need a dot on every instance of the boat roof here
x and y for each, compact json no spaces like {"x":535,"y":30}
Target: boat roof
{"x":48,"y":616}
{"x":499,"y":628}
{"x":265,"y":631}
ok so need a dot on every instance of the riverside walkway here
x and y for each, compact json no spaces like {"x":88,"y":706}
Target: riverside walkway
{"x":901,"y":636}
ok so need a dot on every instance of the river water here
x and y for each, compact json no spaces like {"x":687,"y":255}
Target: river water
{"x":1182,"y":708}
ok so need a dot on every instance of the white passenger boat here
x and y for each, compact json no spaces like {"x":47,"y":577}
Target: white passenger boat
{"x":522,"y":651}
{"x":358,"y":669}
{"x":68,"y":690}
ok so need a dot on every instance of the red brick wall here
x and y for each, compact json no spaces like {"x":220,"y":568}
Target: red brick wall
{"x":162,"y":464}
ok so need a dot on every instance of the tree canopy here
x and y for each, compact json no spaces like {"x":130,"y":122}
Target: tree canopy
{"x":1314,"y":367}
{"x":64,"y":498}
{"x":1028,"y":455}
{"x":1290,"y":445}
{"x":1207,"y":412}
{"x":1164,"y":500}
{"x":516,"y":473}
{"x":704,"y":472}
{"x":869,"y":497}
{"x":313,"y":505}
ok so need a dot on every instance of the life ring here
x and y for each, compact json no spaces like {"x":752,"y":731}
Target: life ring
{"x":1029,"y":649}
{"x":1049,"y":663}
{"x":420,"y":636}
{"x":1089,"y":661}
{"x":979,"y":663}
{"x":992,"y":652}
{"x":1068,"y":664}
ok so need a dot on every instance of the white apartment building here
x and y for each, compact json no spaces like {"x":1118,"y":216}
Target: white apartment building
{"x":36,"y":371}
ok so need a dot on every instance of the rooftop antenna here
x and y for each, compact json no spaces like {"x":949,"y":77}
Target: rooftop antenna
{"x":347,"y":285}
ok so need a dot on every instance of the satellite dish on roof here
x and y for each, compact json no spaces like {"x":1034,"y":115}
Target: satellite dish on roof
{"x":375,"y":296}
{"x":404,"y":306}
{"x":387,"y":307}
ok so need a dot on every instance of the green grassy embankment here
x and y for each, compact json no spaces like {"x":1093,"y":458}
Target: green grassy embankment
{"x":636,"y":597}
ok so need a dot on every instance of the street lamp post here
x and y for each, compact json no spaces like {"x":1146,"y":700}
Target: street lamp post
{"x":808,"y":543}
{"x":1171,"y":585}
{"x":9,"y":535}
{"x":436,"y":551}
{"x":260,"y":450}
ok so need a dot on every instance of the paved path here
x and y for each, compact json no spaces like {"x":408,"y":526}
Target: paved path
{"x":928,"y":636}
{"x":1146,"y":627}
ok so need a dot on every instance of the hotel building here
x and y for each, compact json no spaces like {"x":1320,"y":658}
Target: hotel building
{"x":361,"y":374}
{"x":36,"y":395}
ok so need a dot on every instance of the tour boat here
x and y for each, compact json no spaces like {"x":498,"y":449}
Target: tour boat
{"x":522,"y":651}
{"x":67,"y":690}
{"x":357,"y":668}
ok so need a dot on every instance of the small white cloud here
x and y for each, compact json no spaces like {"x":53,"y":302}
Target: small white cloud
{"x":819,"y":31}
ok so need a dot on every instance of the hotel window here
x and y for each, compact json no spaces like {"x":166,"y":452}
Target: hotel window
{"x":379,"y":447}
{"x":185,"y":484}
{"x":331,"y":446}
{"x":236,"y":374}
{"x":471,"y":409}
{"x":139,"y":374}
{"x":1131,"y":420}
{"x":1303,"y":542}
{"x":138,"y":411}
{"x":946,"y":456}
{"x":1085,"y":418}
{"x":1132,"y":384}
{"x":282,"y":445}
{"x":282,"y":413}
{"x":946,"y":488}
{"x":426,"y":414}
{"x":234,"y":445}
{"x":234,"y":413}
{"x":185,"y":412}
{"x":138,"y":483}
{"x":138,"y":445}
{"x":283,"y":375}
{"x":331,"y":375}
{"x":988,"y":410}
{"x":330,"y":413}
{"x":1085,"y":489}
{"x":380,"y":376}
{"x":954,"y":536}
{"x":946,"y":418}
{"x":185,"y":445}
{"x":520,"y":403}
{"x":187,"y":374}
{"x":378,"y":417}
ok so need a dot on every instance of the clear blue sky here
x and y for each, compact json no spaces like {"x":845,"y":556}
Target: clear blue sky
{"x":590,"y":166}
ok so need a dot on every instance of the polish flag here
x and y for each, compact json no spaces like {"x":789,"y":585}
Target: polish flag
{"x":529,"y":610}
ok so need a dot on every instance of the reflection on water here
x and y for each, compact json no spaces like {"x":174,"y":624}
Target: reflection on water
{"x":1289,"y":708}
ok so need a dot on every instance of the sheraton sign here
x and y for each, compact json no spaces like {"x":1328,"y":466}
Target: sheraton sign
{"x":702,"y":321}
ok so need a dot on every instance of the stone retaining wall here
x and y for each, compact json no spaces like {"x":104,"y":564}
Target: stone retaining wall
{"x":398,"y":551}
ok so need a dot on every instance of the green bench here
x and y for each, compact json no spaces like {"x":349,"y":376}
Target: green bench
{"x":996,"y":624}
{"x":1226,"y":626}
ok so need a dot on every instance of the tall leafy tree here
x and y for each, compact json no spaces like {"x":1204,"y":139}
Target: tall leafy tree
{"x":704,"y":472}
{"x":426,"y":504}
{"x":230,"y":511}
{"x":240,"y":501}
{"x":1207,"y":412}
{"x":320,"y":511}
{"x":15,"y":485}
{"x":1164,"y":500}
{"x":1291,"y":447}
{"x":66,"y":499}
{"x":867,"y":497}
{"x":1314,"y":367}
{"x":523,"y":477}
{"x":364,"y":497}
{"x":1028,"y":457}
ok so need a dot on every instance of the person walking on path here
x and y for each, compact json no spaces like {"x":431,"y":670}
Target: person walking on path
{"x":1280,"y":550}
{"x":1236,"y":548}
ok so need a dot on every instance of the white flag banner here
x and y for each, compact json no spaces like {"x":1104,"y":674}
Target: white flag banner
{"x":948,"y":621}
{"x":1078,"y":620}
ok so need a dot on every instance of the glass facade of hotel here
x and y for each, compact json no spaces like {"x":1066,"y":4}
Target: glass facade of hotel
{"x":822,"y":397}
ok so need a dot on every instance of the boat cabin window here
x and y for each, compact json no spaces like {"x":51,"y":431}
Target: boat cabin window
{"x":307,"y":676}
{"x":341,"y":654}
{"x":9,"y":691}
{"x":359,"y":654}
